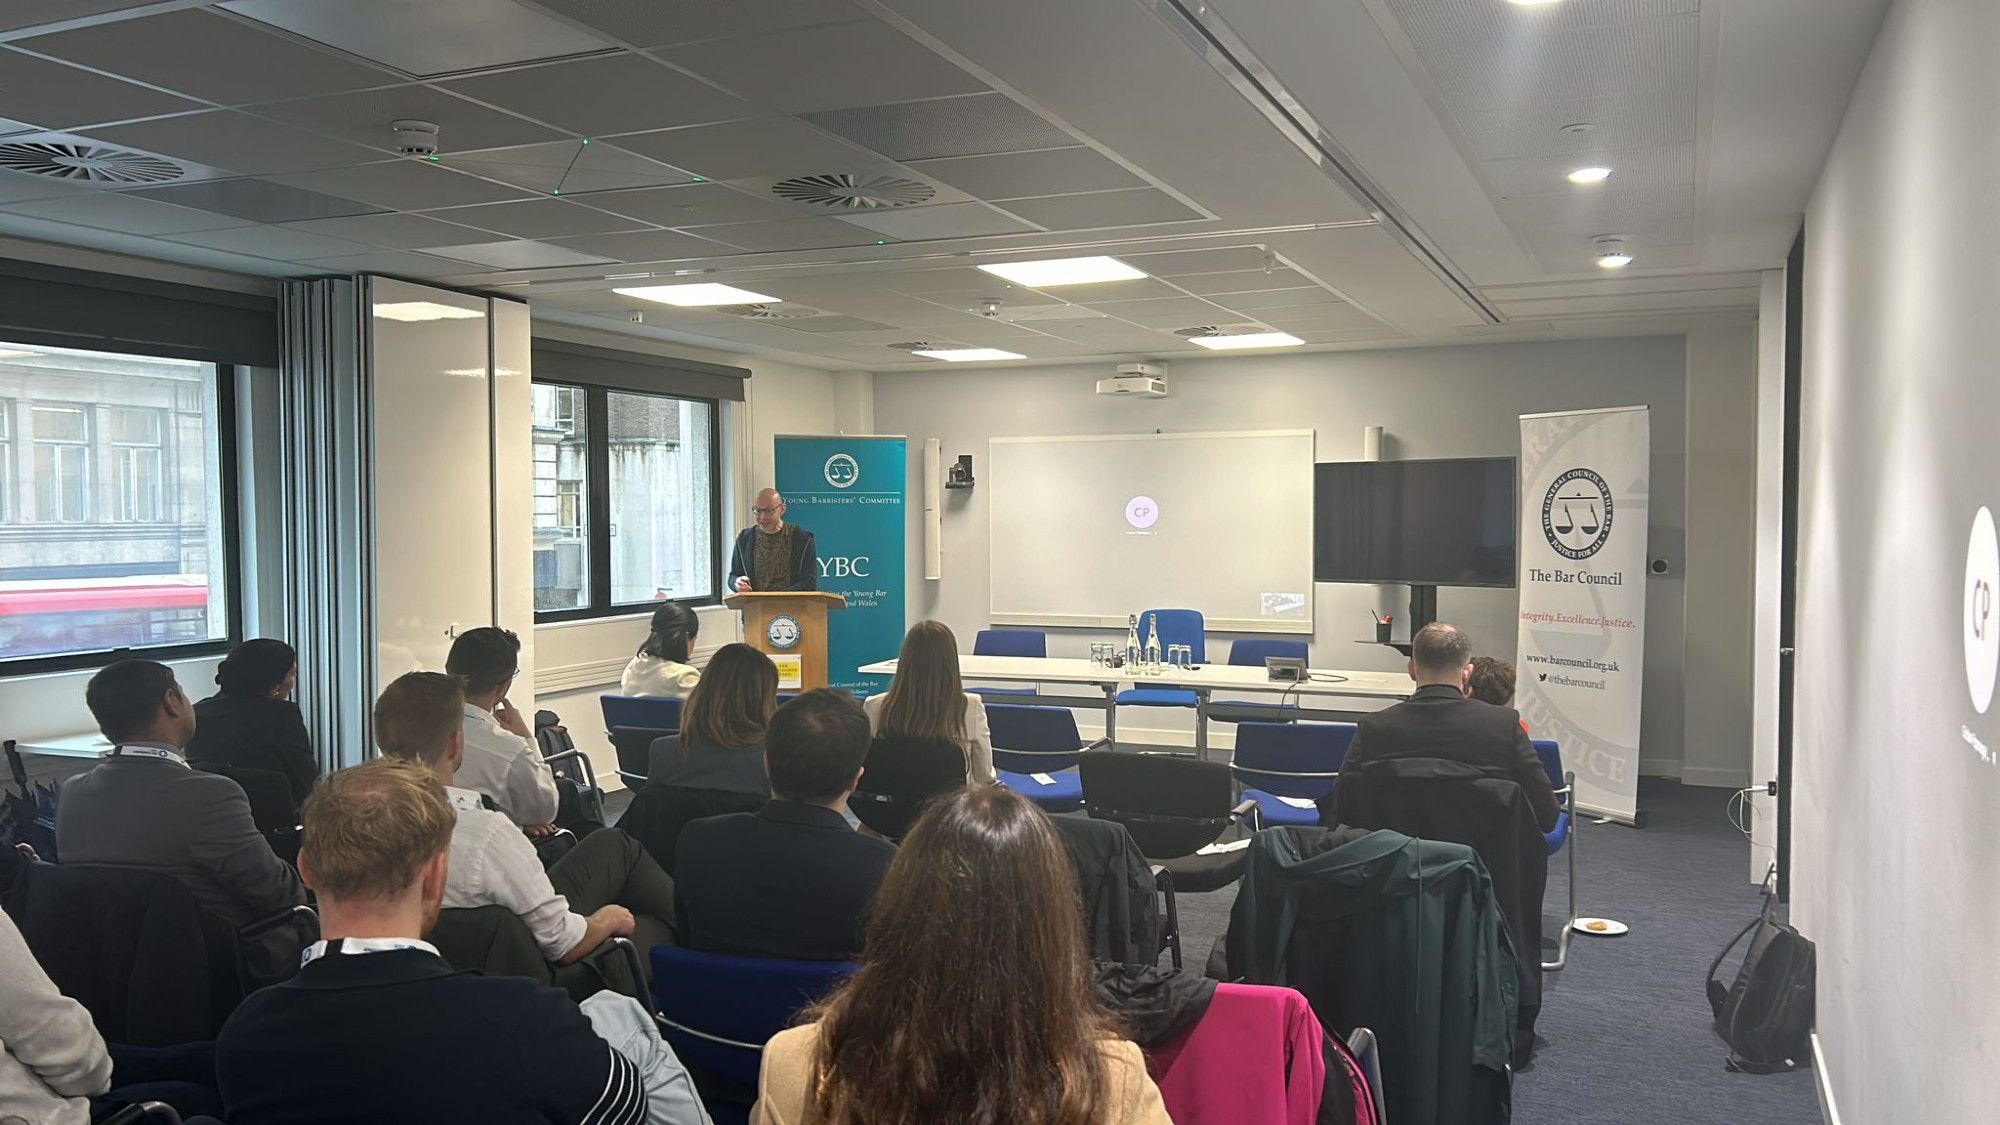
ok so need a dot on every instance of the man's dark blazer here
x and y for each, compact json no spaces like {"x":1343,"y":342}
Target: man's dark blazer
{"x":400,"y":1037}
{"x":789,"y":880}
{"x":805,"y":560}
{"x":257,"y":733}
{"x":1438,"y":721}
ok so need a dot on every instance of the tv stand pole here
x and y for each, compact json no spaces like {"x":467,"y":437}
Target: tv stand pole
{"x":1423,"y":607}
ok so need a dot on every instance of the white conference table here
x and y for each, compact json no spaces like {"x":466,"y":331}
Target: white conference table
{"x":1203,"y":680}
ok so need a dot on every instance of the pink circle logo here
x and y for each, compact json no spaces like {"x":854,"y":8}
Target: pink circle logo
{"x":1141,"y":512}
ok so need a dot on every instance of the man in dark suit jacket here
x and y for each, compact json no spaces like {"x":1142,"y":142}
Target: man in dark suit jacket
{"x":773,"y":554}
{"x":1439,"y":721}
{"x":144,"y":807}
{"x":792,"y":879}
{"x":377,"y":1027}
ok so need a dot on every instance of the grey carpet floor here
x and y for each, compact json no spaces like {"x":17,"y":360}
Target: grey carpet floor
{"x":1624,"y":1029}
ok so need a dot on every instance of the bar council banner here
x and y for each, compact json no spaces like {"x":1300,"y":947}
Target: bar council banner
{"x":849,"y":492}
{"x":1584,"y":495}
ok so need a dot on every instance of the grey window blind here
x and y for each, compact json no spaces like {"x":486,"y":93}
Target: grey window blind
{"x":71,"y":308}
{"x":563,"y":362}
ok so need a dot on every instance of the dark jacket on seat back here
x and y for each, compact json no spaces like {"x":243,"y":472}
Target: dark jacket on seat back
{"x":659,"y":812}
{"x":256,"y":733}
{"x":1121,"y":904}
{"x":400,"y":1037}
{"x":790,"y":880}
{"x":1396,"y":934}
{"x":1438,"y":721}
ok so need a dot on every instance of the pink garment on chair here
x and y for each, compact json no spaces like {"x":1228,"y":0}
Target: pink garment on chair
{"x":1254,"y":1058}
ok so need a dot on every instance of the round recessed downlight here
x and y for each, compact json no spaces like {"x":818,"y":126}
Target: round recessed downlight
{"x":1591,"y":174}
{"x":1612,"y":254}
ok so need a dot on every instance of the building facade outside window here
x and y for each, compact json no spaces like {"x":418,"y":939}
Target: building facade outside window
{"x":562,"y":519}
{"x":60,"y":433}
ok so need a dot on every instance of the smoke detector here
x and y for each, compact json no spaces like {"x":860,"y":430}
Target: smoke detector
{"x":844,"y":191}
{"x":84,"y":162}
{"x":989,"y":306}
{"x":415,"y":138}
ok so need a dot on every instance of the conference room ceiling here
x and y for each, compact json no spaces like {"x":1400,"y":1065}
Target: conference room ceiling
{"x":1360,"y":173}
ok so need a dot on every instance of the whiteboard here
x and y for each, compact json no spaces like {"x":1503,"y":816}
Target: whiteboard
{"x":1088,"y":530}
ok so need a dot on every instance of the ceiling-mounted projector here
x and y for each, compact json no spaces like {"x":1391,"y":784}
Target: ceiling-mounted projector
{"x":1142,"y":380}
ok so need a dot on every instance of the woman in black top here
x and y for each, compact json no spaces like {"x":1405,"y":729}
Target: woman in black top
{"x":252,"y":722}
{"x":721,"y":741}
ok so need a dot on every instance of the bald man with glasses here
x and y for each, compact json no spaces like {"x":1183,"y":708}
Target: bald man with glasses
{"x":773,"y":554}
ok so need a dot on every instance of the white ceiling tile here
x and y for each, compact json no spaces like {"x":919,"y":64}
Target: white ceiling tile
{"x":55,"y":96}
{"x":1547,"y":174}
{"x":967,"y":126}
{"x":1309,"y":296}
{"x":1013,"y":175}
{"x":227,"y":139}
{"x":16,"y":185}
{"x":830,"y":67}
{"x":364,"y":118}
{"x":594,"y":97}
{"x":393,"y":230}
{"x":1177,"y":263}
{"x":692,"y":205}
{"x":1173,"y":312}
{"x":258,"y":200}
{"x":1240,"y":281}
{"x":270,"y":242}
{"x":569,"y":167}
{"x":34,"y":13}
{"x":393,"y":263}
{"x":162,"y":50}
{"x":647,"y":246}
{"x":128,"y":213}
{"x":539,"y":218}
{"x":687,"y":21}
{"x":423,"y":37}
{"x":403,"y":185}
{"x":787,"y":234}
{"x":775,"y":146}
{"x":518,"y":254}
{"x":950,"y":220}
{"x":1134,"y":207}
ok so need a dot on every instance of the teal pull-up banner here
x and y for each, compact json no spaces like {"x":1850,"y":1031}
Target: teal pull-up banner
{"x":850,"y":492}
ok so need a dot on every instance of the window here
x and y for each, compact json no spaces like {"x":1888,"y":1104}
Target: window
{"x":114,"y":528}
{"x":562,"y":518}
{"x":625,"y":500}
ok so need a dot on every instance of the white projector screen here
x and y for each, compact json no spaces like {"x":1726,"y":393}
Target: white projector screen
{"x":1089,"y":530}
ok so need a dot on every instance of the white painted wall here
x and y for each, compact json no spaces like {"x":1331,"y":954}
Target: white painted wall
{"x":1434,"y":402}
{"x":1717,"y":570}
{"x":1768,"y":574}
{"x":1895,"y":806}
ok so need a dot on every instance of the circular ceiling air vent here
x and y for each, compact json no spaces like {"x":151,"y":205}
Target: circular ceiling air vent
{"x":770,"y":312}
{"x":844,"y":191}
{"x":1219,"y":330}
{"x":88,"y":163}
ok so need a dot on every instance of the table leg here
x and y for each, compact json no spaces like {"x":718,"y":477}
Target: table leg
{"x":1201,"y":724}
{"x":1111,"y":715}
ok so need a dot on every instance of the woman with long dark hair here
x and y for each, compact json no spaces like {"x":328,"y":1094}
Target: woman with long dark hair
{"x":721,"y":741}
{"x":661,"y":666}
{"x":927,"y":700}
{"x":252,"y":723}
{"x":974,"y":1003}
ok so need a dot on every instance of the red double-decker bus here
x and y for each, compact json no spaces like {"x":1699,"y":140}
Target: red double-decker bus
{"x":52,"y":617}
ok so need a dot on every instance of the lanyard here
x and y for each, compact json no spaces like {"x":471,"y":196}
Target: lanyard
{"x":320,"y":949}
{"x":149,"y":752}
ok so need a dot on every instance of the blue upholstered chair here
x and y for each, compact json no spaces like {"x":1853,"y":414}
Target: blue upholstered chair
{"x":632,"y":723}
{"x":1030,"y":743}
{"x":1009,"y":642}
{"x":1274,"y":761}
{"x":1560,"y":837}
{"x":717,"y":1011}
{"x":1250,"y":653}
{"x":1172,"y":627}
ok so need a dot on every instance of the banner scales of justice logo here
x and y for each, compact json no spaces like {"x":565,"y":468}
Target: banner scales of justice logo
{"x":842,"y":470}
{"x":1576,"y":514}
{"x":782,"y":632}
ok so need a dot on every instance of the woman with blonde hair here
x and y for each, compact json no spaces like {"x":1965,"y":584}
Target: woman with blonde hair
{"x":927,"y":701}
{"x":975,"y":1001}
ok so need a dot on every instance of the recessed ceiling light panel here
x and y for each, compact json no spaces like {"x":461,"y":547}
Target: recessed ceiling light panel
{"x":1052,"y":272}
{"x":424,"y":310}
{"x":1591,"y":174}
{"x":1230,"y":343}
{"x":698,"y":295}
{"x":969,"y":355}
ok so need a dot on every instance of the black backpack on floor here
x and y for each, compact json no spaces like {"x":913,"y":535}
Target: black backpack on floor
{"x":1767,"y":1014}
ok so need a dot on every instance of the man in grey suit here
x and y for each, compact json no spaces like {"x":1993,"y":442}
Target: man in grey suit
{"x":143,"y":807}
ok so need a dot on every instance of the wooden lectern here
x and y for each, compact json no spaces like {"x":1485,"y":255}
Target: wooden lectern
{"x":789,"y":624}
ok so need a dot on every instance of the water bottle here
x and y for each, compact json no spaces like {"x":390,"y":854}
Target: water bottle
{"x":1153,"y":648}
{"x":1132,"y":641}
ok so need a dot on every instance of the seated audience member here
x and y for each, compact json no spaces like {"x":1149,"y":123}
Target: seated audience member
{"x":792,"y":879}
{"x":52,"y":1060}
{"x":926,"y":700}
{"x":502,"y":760}
{"x":145,"y":807}
{"x":252,"y":722}
{"x":1492,"y":681}
{"x":605,"y":887}
{"x":974,"y":1001}
{"x":660,"y":667}
{"x":376,"y":1027}
{"x":721,"y":740}
{"x":1439,"y":721}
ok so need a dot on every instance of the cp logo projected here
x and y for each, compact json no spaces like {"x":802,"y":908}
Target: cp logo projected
{"x":1142,"y":512}
{"x":1576,"y":514}
{"x":841,"y":471}
{"x":1982,"y":632}
{"x":783,"y":632}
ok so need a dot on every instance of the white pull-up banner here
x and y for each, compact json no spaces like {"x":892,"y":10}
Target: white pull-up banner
{"x":1584,"y":507}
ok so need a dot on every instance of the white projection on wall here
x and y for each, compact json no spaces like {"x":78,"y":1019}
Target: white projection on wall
{"x":1090,"y":529}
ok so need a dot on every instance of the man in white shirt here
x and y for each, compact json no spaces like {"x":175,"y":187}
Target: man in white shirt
{"x":502,"y":761}
{"x":607,"y":886}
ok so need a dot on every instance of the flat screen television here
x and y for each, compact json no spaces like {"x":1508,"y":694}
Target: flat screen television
{"x":1437,"y":523}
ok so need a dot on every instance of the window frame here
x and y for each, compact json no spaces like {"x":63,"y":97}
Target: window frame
{"x":227,"y":457}
{"x":597,"y":502}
